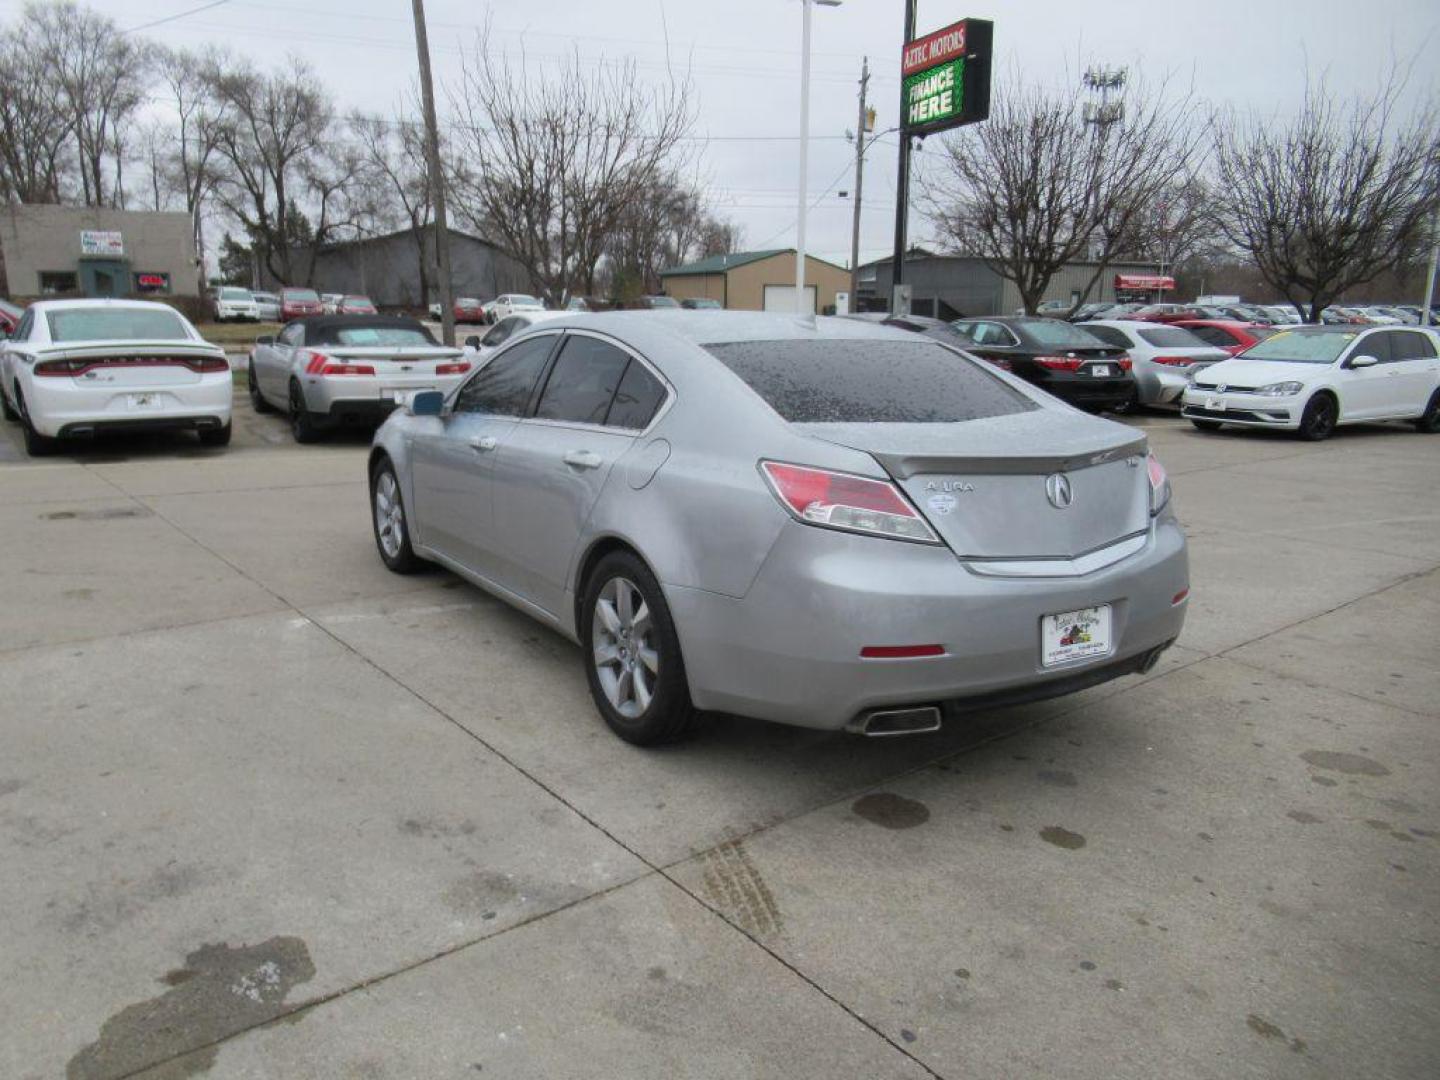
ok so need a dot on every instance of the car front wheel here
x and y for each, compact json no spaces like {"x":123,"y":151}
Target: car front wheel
{"x":1318,"y":420}
{"x":633,"y":661}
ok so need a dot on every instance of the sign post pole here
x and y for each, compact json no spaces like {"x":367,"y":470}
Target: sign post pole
{"x":902,"y":175}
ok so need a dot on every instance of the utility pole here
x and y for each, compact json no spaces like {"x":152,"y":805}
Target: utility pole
{"x":861,"y":125}
{"x":437,"y":179}
{"x":1425,"y":317}
{"x":902,"y":178}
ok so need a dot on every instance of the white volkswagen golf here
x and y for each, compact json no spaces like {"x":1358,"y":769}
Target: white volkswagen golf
{"x":1311,"y":378}
{"x":77,"y":367}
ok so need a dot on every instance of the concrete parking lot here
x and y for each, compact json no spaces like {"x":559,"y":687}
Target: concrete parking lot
{"x":267,"y":810}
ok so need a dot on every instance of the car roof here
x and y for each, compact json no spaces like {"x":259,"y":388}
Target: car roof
{"x":320,"y":324}
{"x":719,"y":327}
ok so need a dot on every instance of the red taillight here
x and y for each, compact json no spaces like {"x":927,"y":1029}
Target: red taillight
{"x":1059,"y":363}
{"x":452,"y":369}
{"x":1124,"y":363}
{"x":1174,"y":361}
{"x":1159,"y":484}
{"x":838,"y":500}
{"x":320,"y":364}
{"x":1180,"y":597}
{"x":900,"y":652}
{"x":999,"y":361}
{"x":82,"y":365}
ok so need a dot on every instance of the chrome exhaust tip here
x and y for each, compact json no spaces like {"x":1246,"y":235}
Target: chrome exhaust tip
{"x":882,"y":723}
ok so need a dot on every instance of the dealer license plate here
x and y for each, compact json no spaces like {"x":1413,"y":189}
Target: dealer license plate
{"x":1100,"y":370}
{"x":394,"y":393}
{"x":1075,"y":635}
{"x":144,"y":401}
{"x":1215,"y":404}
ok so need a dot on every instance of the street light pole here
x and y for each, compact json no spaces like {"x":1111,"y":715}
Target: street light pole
{"x":859,"y":185}
{"x":437,"y":179}
{"x":804,"y":183}
{"x":1425,"y":317}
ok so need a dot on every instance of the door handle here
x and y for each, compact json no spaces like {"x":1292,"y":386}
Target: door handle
{"x":483,"y":443}
{"x":583,"y":459}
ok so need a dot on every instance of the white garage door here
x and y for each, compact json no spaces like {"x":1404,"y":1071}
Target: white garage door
{"x":781,"y":298}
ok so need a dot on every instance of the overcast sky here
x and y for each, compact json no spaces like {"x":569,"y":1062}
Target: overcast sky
{"x":744,"y":58}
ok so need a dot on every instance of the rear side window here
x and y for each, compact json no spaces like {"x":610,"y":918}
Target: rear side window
{"x":869,"y":381}
{"x":1212,"y":335}
{"x":1410,"y":345}
{"x":637,"y":400}
{"x":1171,"y":337}
{"x":503,"y":386}
{"x":583,"y":381}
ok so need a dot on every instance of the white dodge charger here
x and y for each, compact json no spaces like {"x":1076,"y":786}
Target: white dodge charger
{"x":73,"y":368}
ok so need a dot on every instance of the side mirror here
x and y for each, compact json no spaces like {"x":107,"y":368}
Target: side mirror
{"x":426,"y":403}
{"x":473,"y":341}
{"x":1363,"y":361}
{"x":265,"y":339}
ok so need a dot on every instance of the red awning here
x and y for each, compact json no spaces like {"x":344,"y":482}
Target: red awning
{"x":1146,"y":282}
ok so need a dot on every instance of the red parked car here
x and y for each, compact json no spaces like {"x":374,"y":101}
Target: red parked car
{"x":9,"y":317}
{"x":298,"y":303}
{"x":1233,"y":337}
{"x":355,"y":305}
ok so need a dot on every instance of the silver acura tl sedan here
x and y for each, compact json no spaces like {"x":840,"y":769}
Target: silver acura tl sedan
{"x":818,"y":522}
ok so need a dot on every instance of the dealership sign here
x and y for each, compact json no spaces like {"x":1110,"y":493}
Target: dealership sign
{"x":1144,"y":282}
{"x":96,"y":242}
{"x":946,"y":77}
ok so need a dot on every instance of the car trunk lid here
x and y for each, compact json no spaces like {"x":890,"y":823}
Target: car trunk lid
{"x":982,"y":484}
{"x":126,"y":364}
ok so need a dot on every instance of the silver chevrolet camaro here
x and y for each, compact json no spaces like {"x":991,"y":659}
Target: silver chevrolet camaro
{"x":818,"y":522}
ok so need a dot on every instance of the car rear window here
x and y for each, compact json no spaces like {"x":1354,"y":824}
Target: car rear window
{"x":116,"y":324}
{"x":303,"y":296}
{"x":1172,"y":337}
{"x":235,"y":294}
{"x":1054,"y":334}
{"x":374,"y":335}
{"x":872,"y":381}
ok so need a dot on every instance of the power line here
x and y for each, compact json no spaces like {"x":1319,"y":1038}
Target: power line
{"x":178,"y":15}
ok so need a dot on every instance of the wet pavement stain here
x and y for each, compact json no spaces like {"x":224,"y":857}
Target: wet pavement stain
{"x":220,"y":991}
{"x":1303,"y":817}
{"x":736,"y":887}
{"x":1349,"y":764}
{"x":1400,"y":806}
{"x":1062,"y":838}
{"x":1058,"y":777}
{"x":891,"y":811}
{"x":111,"y":514}
{"x":1266,"y":1030}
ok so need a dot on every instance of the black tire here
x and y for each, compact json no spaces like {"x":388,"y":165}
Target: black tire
{"x":1206,"y":425}
{"x":302,"y":420}
{"x":401,"y":558}
{"x":1429,"y":421}
{"x":669,"y":714}
{"x":1318,"y":420}
{"x":215,"y":436}
{"x":257,"y":399}
{"x":36,"y":445}
{"x":7,"y":409}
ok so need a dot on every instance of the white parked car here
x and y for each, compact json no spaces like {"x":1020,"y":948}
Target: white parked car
{"x":508,"y":304}
{"x":505,"y":329}
{"x":78,"y":367}
{"x":230,"y":302}
{"x":267,"y":306}
{"x":1163,"y":357}
{"x":1312,"y":378}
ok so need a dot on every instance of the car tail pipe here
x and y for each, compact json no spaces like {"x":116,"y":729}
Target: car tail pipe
{"x":909,"y":720}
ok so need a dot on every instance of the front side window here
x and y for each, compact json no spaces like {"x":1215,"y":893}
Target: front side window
{"x":503,"y":386}
{"x":1376,"y":345}
{"x":116,"y":324}
{"x":870,"y":381}
{"x":583,"y":381}
{"x":499,"y":332}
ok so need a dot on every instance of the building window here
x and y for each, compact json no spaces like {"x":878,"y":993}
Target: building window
{"x":152,"y":283}
{"x":58,"y":281}
{"x":867,"y":273}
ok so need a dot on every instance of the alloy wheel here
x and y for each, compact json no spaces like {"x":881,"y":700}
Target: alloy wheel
{"x":389,"y":515}
{"x":622,"y":639}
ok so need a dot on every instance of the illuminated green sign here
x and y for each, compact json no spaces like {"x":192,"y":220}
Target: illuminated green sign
{"x":935,"y":95}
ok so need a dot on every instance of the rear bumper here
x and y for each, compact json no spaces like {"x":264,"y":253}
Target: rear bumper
{"x":1160,"y":387}
{"x":361,"y":399}
{"x":59,"y":407}
{"x":1091,"y":392}
{"x":789,"y":650}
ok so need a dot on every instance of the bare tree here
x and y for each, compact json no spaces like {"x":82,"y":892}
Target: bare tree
{"x":1331,"y":199}
{"x":669,"y":224}
{"x":35,"y":122}
{"x":554,"y":157}
{"x":102,"y":74}
{"x":1037,"y":187}
{"x":394,"y":166}
{"x":279,"y":123}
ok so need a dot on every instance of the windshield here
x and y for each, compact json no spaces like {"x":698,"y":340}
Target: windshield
{"x":116,"y":324}
{"x":235,"y":294}
{"x":869,"y":381}
{"x":521,"y":298}
{"x":1172,"y":337}
{"x":1053,"y":334}
{"x":1313,"y":346}
{"x":304,"y":296}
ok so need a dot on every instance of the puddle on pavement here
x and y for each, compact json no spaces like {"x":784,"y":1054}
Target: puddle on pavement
{"x":1062,"y":838}
{"x":220,"y":991}
{"x":891,"y":811}
{"x":1350,"y":764}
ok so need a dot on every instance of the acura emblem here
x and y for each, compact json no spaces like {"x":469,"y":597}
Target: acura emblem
{"x":1057,"y":490}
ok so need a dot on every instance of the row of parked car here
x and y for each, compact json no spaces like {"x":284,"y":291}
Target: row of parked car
{"x":1257,"y":314}
{"x":230,"y":303}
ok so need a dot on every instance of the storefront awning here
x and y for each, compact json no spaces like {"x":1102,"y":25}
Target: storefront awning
{"x":1144,"y":282}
